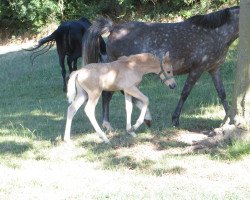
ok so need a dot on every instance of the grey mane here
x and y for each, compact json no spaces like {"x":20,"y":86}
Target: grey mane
{"x":212,"y":20}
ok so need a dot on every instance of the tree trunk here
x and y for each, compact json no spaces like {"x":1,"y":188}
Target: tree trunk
{"x":238,"y":123}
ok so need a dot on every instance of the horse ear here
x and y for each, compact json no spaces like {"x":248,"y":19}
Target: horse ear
{"x":166,"y":58}
{"x":167,"y":54}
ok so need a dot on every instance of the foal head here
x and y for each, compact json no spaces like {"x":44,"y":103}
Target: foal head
{"x":166,"y":73}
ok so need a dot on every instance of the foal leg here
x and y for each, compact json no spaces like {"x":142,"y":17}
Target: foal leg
{"x":135,"y":92}
{"x":190,"y":82}
{"x":216,"y":77}
{"x":106,"y":97}
{"x":129,"y":108}
{"x":72,"y":109}
{"x":90,"y":112}
{"x":148,"y":118}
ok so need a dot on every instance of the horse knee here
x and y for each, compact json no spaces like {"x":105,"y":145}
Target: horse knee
{"x":146,"y":101}
{"x":71,"y":111}
{"x":88,"y":110}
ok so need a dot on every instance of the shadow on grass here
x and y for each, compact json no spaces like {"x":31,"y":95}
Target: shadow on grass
{"x":111,"y":157}
{"x":14,"y":148}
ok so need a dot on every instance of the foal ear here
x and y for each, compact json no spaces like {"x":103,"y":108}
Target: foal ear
{"x":166,"y":58}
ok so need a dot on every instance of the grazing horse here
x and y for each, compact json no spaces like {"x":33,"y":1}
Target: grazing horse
{"x":197,"y":44}
{"x":87,"y":84}
{"x":68,"y":38}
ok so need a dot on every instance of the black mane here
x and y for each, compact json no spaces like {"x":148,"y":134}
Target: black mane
{"x":212,"y":20}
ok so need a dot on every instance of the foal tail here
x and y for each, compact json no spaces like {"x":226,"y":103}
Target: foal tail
{"x":72,"y":87}
{"x":92,"y":40}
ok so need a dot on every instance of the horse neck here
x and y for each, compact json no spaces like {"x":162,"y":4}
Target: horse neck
{"x":230,"y":31}
{"x":149,"y":68}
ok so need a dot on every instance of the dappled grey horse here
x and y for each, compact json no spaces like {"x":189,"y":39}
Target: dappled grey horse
{"x":197,"y":44}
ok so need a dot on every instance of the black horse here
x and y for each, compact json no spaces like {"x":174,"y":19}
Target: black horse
{"x":68,"y":37}
{"x":197,"y":44}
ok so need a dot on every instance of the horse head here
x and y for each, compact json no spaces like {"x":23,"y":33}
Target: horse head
{"x":166,"y":74}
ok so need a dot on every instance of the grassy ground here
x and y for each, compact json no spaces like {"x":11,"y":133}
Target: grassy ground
{"x":158,"y":164}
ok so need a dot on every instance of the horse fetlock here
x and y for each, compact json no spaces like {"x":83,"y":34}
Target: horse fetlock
{"x":147,"y":122}
{"x":105,"y":139}
{"x":107,"y":126}
{"x":132,"y":133}
{"x":175,"y":121}
{"x":66,"y":140}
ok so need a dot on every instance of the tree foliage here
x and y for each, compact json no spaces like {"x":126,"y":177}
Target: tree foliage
{"x":18,"y":16}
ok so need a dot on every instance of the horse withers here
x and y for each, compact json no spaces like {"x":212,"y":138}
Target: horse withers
{"x":196,"y":45}
{"x":68,"y":38}
{"x":87,"y":84}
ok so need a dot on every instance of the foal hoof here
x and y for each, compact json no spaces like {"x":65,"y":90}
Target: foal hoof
{"x":147,"y":122}
{"x":106,"y":141}
{"x":132,"y":134}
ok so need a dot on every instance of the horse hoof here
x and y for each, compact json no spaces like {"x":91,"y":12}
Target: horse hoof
{"x":67,"y":141}
{"x":175,"y":122}
{"x":132,"y":134}
{"x":107,"y":126}
{"x":106,"y":141}
{"x":147,"y":122}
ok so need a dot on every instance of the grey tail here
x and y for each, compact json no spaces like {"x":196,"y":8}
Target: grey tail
{"x":91,"y":39}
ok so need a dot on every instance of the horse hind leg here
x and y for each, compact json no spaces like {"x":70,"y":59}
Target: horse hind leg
{"x":75,"y":64}
{"x":72,"y":109}
{"x":106,"y":97}
{"x":216,"y":77}
{"x":62,"y":64}
{"x":69,"y":62}
{"x":90,"y":112}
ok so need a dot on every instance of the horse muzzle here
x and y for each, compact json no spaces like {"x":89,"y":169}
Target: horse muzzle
{"x":172,"y":85}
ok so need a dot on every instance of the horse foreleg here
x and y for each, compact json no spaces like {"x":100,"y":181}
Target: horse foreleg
{"x":106,"y":97}
{"x":216,"y":77}
{"x":129,"y":109}
{"x":90,"y":112}
{"x":135,"y":92}
{"x":148,"y":118}
{"x":72,"y":109}
{"x":190,"y":82}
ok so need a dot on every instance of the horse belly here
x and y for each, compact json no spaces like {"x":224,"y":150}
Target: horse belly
{"x":108,"y":81}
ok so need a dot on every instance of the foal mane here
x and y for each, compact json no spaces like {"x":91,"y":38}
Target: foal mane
{"x":212,"y":20}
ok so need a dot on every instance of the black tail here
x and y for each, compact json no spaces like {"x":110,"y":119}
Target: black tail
{"x":91,"y":40}
{"x":49,"y":41}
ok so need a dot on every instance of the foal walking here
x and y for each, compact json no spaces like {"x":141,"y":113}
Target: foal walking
{"x":87,"y":84}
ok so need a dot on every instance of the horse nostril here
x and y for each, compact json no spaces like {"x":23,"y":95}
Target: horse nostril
{"x":172,"y":86}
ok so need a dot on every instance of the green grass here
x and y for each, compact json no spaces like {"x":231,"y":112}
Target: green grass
{"x":32,"y":121}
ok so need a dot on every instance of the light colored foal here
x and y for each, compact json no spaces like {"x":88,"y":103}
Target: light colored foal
{"x":87,"y":84}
